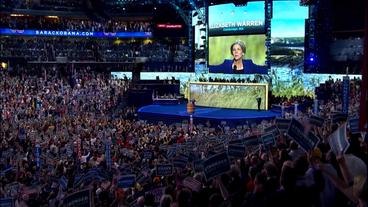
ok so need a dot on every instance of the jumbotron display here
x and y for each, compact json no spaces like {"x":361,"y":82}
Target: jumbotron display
{"x":227,"y":51}
{"x":237,"y":39}
{"x":228,"y":95}
{"x":287,"y":34}
{"x":228,"y":19}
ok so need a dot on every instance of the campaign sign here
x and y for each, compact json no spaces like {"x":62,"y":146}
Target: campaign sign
{"x":198,"y":166}
{"x":126,"y":181}
{"x":6,"y":171}
{"x":171,"y":152}
{"x":282,"y":124}
{"x":268,"y":139}
{"x":6,"y":202}
{"x":272,"y":129}
{"x":157,"y":193}
{"x":143,"y":176}
{"x":164,"y":170}
{"x":252,"y":140}
{"x":211,"y":153}
{"x":92,"y":174}
{"x":78,"y":199}
{"x":13,"y":189}
{"x":354,"y":125}
{"x":296,"y":132}
{"x":236,"y":150}
{"x":339,"y":117}
{"x":63,"y":181}
{"x":125,"y":169}
{"x":316,"y":121}
{"x":313,"y":139}
{"x":219,"y":147}
{"x":147,"y":154}
{"x":216,"y":165}
{"x":180,"y":162}
{"x":236,"y":142}
{"x":338,"y":141}
{"x":192,"y":184}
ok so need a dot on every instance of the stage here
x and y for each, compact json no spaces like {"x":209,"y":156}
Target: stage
{"x":170,"y":114}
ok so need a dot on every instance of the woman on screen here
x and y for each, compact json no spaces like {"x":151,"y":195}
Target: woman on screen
{"x":238,"y":65}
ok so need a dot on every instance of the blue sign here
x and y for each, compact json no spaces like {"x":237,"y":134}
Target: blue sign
{"x":164,"y":170}
{"x":236,"y":142}
{"x":236,"y":150}
{"x":92,"y":174}
{"x":315,"y":106}
{"x":55,"y":33}
{"x":6,"y":202}
{"x":282,"y":124}
{"x":171,"y":152}
{"x":37,"y":155}
{"x":108,"y":155}
{"x":268,"y":139}
{"x":63,"y":183}
{"x":272,"y":129}
{"x":148,"y":154}
{"x":316,"y":121}
{"x":126,"y":181}
{"x":252,"y":140}
{"x":79,"y":199}
{"x":338,"y":140}
{"x":339,"y":117}
{"x":180,"y":162}
{"x":345,"y":94}
{"x":7,"y":170}
{"x":354,"y":125}
{"x":198,"y":166}
{"x":216,"y":165}
{"x":296,"y":132}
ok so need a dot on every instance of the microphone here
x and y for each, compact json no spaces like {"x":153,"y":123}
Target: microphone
{"x":234,"y":67}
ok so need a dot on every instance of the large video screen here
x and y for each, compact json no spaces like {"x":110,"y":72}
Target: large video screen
{"x":228,"y":19}
{"x":236,"y":43}
{"x":228,"y":95}
{"x":226,"y":50}
{"x":287,"y":34}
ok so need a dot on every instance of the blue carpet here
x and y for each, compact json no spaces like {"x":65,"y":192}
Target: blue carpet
{"x":176,"y":113}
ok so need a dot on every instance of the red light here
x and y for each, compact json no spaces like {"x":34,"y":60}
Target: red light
{"x":170,"y":26}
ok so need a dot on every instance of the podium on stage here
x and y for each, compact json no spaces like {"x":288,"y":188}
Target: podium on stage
{"x":191,"y":107}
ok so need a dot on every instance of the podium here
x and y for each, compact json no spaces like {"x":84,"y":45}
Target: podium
{"x":190,"y":107}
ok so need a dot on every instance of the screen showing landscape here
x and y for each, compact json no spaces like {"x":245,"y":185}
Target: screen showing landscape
{"x":227,"y":95}
{"x":287,"y":34}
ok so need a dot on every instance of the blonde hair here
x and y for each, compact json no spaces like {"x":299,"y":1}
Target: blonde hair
{"x":241,"y":44}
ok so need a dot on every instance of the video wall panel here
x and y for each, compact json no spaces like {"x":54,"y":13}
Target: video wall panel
{"x":229,"y":95}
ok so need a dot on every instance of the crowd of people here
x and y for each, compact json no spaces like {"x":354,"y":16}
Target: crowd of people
{"x":58,"y":5}
{"x":56,"y":127}
{"x":255,"y":79}
{"x":330,"y":94}
{"x":72,"y":24}
{"x":100,"y":50}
